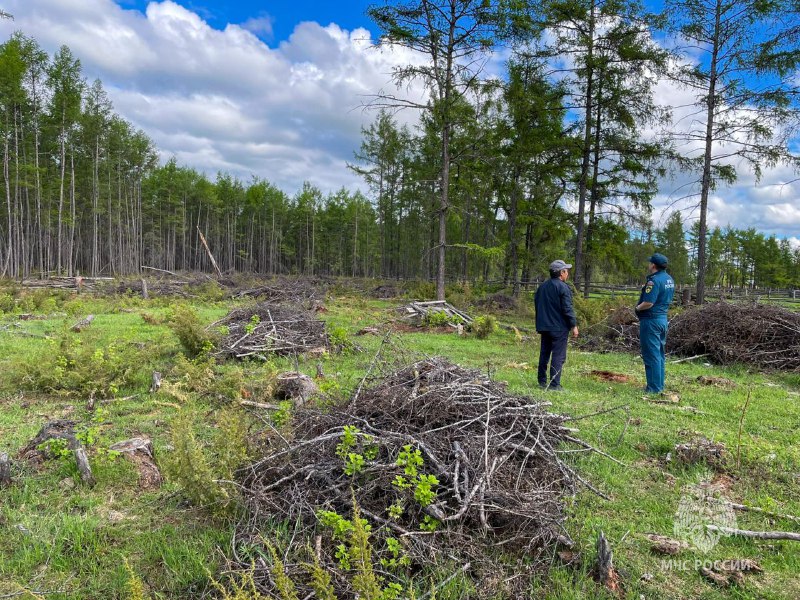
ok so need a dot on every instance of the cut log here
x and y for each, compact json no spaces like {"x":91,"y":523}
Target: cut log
{"x":83,"y":324}
{"x":5,"y":469}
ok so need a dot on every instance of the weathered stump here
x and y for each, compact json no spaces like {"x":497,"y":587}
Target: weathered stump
{"x":140,"y":452}
{"x":84,"y":468}
{"x":296,"y":386}
{"x":83,"y":324}
{"x":5,"y":469}
{"x":156,"y":384}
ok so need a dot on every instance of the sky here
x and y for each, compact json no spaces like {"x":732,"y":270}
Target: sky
{"x":278,"y":90}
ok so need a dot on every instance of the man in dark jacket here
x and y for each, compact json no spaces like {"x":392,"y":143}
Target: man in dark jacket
{"x":555,"y":317}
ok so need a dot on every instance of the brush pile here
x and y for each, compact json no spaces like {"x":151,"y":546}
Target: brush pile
{"x":268,"y":328}
{"x":435,"y":455}
{"x":287,"y":289}
{"x":764,"y":336}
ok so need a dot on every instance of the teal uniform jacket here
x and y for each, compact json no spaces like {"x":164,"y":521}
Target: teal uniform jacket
{"x":658,"y":289}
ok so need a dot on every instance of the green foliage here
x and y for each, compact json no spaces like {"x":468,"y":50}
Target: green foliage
{"x":202,"y":376}
{"x":340,"y":339}
{"x":355,"y":449}
{"x":210,"y":291}
{"x":135,"y":587}
{"x":423,"y":485}
{"x":190,"y":463}
{"x":69,"y":366}
{"x":591,"y":311}
{"x":321,"y":581}
{"x":241,"y":586}
{"x":185,"y":323}
{"x":483,"y":326}
{"x":231,"y":442}
{"x":7,"y":303}
{"x":283,"y":584}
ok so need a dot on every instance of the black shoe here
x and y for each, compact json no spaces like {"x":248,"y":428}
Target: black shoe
{"x":556,"y":388}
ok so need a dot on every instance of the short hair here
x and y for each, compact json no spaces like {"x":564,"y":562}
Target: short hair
{"x":555,"y":274}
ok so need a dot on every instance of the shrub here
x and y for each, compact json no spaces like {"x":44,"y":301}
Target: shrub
{"x":439,"y":318}
{"x":185,"y":323}
{"x":67,"y":365}
{"x":202,"y":376}
{"x":483,"y":326}
{"x":198,"y":469}
{"x":340,"y":340}
{"x":7,"y":303}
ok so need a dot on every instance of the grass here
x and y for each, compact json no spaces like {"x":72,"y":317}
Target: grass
{"x":69,"y":541}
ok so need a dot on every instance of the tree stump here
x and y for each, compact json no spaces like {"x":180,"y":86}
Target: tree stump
{"x":296,"y":386}
{"x":140,"y":452}
{"x":5,"y":469}
{"x":85,"y":470}
{"x":156,"y":384}
{"x":607,"y":576}
{"x":144,"y":289}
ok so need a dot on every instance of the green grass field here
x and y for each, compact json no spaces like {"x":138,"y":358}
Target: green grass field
{"x":59,"y":539}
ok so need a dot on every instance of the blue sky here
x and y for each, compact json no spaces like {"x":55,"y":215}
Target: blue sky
{"x":279,"y":18}
{"x":278,"y":90}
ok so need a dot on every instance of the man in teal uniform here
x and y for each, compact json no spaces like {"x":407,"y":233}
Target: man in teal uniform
{"x":654,"y":301}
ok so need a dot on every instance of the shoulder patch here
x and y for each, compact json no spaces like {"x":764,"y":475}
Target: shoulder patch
{"x":648,"y":288}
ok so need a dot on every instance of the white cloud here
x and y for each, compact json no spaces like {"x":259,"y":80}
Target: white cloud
{"x":223,"y":99}
{"x":259,"y":25}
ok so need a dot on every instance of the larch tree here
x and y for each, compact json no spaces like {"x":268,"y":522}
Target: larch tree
{"x":742,"y":57}
{"x":452,"y":40}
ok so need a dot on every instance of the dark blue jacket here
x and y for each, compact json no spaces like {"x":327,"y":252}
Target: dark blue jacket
{"x":554,"y":311}
{"x":658,"y":289}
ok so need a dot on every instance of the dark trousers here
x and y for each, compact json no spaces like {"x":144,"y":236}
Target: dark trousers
{"x":553,"y":350}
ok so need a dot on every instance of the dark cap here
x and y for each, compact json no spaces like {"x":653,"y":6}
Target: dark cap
{"x":558,"y":265}
{"x":659,"y":260}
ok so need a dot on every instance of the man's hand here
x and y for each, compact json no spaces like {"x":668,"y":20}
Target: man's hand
{"x":575,"y":331}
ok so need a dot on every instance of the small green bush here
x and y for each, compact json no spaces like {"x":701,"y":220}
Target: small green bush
{"x":483,"y":326}
{"x":7,"y":303}
{"x":185,"y":323}
{"x":200,"y":469}
{"x":68,"y":366}
{"x":439,"y":318}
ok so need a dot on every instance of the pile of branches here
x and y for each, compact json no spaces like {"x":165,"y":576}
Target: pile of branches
{"x":618,"y":332}
{"x":764,"y":336}
{"x":287,"y":290}
{"x":267,"y":328}
{"x":497,"y":458}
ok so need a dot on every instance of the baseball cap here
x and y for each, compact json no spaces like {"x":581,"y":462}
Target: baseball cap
{"x":558,"y":265}
{"x":658,"y":260}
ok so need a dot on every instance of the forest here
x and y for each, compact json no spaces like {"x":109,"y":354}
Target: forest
{"x":544,"y":163}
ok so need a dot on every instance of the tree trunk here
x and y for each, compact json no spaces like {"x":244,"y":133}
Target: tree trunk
{"x":705,"y":185}
{"x":587,"y":147}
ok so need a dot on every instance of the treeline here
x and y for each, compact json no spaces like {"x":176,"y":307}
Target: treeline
{"x":84,"y":193}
